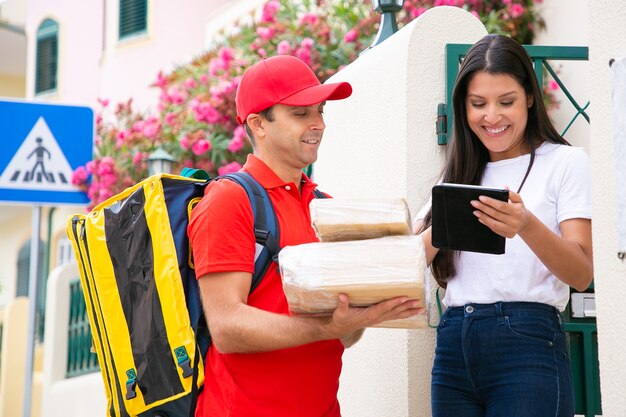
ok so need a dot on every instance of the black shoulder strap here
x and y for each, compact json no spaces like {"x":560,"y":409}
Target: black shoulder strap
{"x":266,"y":230}
{"x":318,"y":194}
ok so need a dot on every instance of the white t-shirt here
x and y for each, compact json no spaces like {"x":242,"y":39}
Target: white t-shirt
{"x":558,"y":188}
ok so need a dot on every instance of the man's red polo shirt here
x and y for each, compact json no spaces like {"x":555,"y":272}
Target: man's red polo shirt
{"x":300,"y":381}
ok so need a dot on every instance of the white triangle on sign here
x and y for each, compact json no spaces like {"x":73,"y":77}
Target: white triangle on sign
{"x":39,"y":163}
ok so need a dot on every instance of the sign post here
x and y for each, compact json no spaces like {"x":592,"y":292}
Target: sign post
{"x":40,"y":147}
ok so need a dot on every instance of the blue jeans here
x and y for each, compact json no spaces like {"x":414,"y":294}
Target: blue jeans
{"x":501,"y":360}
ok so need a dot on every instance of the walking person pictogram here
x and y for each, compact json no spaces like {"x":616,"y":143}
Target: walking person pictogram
{"x":39,"y":152}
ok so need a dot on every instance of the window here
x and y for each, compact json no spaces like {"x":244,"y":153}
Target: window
{"x":47,"y":60}
{"x":133,"y":17}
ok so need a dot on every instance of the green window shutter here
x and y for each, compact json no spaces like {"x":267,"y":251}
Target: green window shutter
{"x":133,"y":17}
{"x":23,"y":279}
{"x":47,"y":56}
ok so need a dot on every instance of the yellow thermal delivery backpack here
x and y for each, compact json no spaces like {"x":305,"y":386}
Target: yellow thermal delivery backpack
{"x":136,"y":274}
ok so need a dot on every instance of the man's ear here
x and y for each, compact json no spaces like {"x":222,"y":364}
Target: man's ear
{"x":255,"y":123}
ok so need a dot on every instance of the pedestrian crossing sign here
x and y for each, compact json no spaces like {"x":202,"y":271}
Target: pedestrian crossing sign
{"x":40,"y":147}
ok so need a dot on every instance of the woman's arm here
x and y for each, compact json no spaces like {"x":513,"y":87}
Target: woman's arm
{"x":569,"y":257}
{"x":427,"y":238}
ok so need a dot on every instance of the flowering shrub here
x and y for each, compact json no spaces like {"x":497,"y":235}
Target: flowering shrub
{"x":195,"y":117}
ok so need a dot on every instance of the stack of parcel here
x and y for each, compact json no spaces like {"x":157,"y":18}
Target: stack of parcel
{"x":366,"y":251}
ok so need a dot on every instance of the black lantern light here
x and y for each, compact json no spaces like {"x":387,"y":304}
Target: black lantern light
{"x":388,"y":24}
{"x":160,"y":161}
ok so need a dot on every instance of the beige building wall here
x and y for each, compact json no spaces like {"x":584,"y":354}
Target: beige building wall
{"x":607,"y":31}
{"x":13,"y":357}
{"x":12,"y":86}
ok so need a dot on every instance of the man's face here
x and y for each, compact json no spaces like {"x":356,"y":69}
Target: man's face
{"x":294,"y":136}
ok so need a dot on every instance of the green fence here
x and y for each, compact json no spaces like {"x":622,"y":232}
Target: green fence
{"x":583,"y":342}
{"x":582,"y":332}
{"x":80,"y":359}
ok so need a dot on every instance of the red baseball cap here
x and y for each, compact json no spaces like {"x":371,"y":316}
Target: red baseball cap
{"x":283,"y":79}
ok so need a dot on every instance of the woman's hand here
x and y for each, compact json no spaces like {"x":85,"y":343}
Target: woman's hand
{"x":506,"y":218}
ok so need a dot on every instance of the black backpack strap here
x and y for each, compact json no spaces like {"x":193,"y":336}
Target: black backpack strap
{"x":265,"y":224}
{"x":318,"y":194}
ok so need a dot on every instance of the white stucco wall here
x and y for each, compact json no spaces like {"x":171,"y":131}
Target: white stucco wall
{"x":607,"y":31}
{"x":381,"y":142}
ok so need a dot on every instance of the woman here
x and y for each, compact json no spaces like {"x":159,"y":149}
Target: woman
{"x":501,"y":350}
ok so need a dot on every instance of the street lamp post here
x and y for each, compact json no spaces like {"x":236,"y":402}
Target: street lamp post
{"x":160,"y":161}
{"x":388,"y":25}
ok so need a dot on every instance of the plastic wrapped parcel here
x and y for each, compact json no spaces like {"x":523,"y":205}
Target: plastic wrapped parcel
{"x":355,"y":219}
{"x":368,"y":271}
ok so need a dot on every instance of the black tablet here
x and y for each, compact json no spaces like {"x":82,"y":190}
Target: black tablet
{"x":454,"y":225}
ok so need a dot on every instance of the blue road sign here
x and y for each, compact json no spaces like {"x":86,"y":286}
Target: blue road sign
{"x":40,"y":147}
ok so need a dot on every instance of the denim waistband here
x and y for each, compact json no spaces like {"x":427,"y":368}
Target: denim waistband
{"x":517,"y":308}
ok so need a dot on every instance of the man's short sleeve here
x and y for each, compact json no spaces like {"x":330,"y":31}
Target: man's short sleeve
{"x":221,"y":230}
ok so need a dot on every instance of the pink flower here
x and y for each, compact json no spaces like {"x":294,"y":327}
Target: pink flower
{"x":235,"y":145}
{"x":190,"y":83}
{"x":262,"y":52}
{"x":121,"y":137}
{"x":304,"y":55}
{"x":91,"y":167}
{"x":92,"y":192}
{"x":79,"y":176}
{"x":176,"y":96}
{"x":138,"y":158}
{"x":228,"y":168}
{"x":103,"y":102}
{"x":226,"y":54}
{"x":308,"y":19}
{"x":184,"y":142}
{"x":238,"y":140}
{"x":139,"y":125}
{"x":265,"y":33}
{"x":104,"y":193}
{"x":106,"y":166}
{"x":507,"y":2}
{"x":283,"y":48}
{"x":351,"y":36}
{"x":269,"y":11}
{"x":204,"y":78}
{"x":150,"y":130}
{"x":307,"y":43}
{"x":218,"y":64}
{"x":170,"y":118}
{"x":204,"y":112}
{"x":161,"y":81}
{"x":108,"y":180}
{"x":553,"y":85}
{"x":516,"y":10}
{"x":200,"y":147}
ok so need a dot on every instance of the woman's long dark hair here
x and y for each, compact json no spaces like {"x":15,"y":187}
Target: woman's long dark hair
{"x":466,"y":156}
